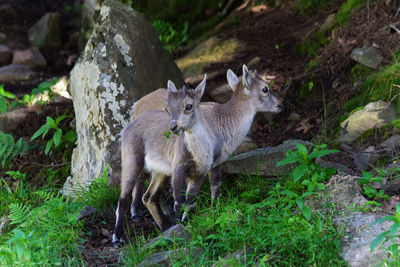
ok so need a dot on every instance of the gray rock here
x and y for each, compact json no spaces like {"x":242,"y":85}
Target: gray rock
{"x":341,"y":169}
{"x":16,"y":73}
{"x":367,"y":56}
{"x":359,"y":235}
{"x":392,"y":144}
{"x":5,"y":55}
{"x":3,"y":38}
{"x":344,"y":191}
{"x":30,"y":57}
{"x":213,"y":50}
{"x":221,"y":94}
{"x":237,"y":258}
{"x":373,"y":115}
{"x":261,"y":161}
{"x":3,"y":223}
{"x":87,"y":211}
{"x":164,"y":258}
{"x":393,"y":188}
{"x":247,"y":145}
{"x":122,"y":61}
{"x":328,"y":22}
{"x":177,"y":231}
{"x":364,"y":161}
{"x":46,"y":33}
{"x":13,"y":119}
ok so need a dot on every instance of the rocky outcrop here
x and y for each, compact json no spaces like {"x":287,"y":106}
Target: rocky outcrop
{"x":16,"y":73}
{"x":46,"y":33}
{"x":122,"y":61}
{"x":373,"y":115}
{"x":30,"y":57}
{"x":261,"y":161}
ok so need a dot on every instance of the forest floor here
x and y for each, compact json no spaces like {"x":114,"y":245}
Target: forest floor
{"x":274,"y":35}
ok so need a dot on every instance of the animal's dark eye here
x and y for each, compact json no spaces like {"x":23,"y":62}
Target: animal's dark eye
{"x":265,"y":89}
{"x":188,"y":107}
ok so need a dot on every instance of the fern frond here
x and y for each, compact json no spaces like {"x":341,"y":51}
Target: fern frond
{"x":19,"y":213}
{"x":9,"y":149}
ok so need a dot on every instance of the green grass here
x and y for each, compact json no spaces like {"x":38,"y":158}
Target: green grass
{"x":307,"y":7}
{"x":346,"y":9}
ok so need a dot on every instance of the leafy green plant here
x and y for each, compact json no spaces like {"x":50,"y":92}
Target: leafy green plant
{"x":5,"y":98}
{"x":369,"y":190}
{"x":169,"y":36}
{"x":308,"y":174}
{"x":45,"y":87}
{"x":9,"y":149}
{"x":392,"y":235}
{"x":58,"y":137}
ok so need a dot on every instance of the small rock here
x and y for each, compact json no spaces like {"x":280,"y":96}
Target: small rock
{"x":8,"y":12}
{"x":294,"y":117}
{"x":164,"y":258}
{"x":367,"y":56}
{"x":344,"y":191}
{"x":370,"y":149}
{"x":30,"y":57}
{"x":392,"y":188}
{"x":5,"y":55}
{"x":364,"y":161}
{"x":3,"y":223}
{"x":175,"y":232}
{"x":46,"y":33}
{"x":221,"y":94}
{"x":61,"y":88}
{"x":16,"y":73}
{"x":392,"y":144}
{"x":253,"y":62}
{"x":87,"y":211}
{"x":373,"y":115}
{"x":235,"y":258}
{"x":328,"y":22}
{"x":13,"y":119}
{"x":248,"y":144}
{"x":261,"y":161}
{"x":259,"y":8}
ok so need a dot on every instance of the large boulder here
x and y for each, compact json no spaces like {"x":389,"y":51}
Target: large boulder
{"x":373,"y":115}
{"x":16,"y":73}
{"x":30,"y":57}
{"x":122,"y":61}
{"x":46,"y":33}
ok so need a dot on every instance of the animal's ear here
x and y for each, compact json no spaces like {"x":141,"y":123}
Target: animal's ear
{"x":171,"y":87}
{"x":256,"y":73}
{"x":247,"y":80}
{"x":233,"y":80}
{"x":200,"y":88}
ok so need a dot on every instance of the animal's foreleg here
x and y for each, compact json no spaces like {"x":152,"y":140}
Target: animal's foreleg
{"x":215,"y":182}
{"x":192,"y":194}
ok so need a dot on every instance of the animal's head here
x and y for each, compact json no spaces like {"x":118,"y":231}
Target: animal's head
{"x":183,"y":105}
{"x":256,"y":89}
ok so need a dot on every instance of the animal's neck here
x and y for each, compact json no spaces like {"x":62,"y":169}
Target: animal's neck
{"x":238,"y":115}
{"x":200,"y":142}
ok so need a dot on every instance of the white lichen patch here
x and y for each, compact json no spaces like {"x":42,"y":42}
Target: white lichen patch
{"x":103,"y":50}
{"x":123,"y":48}
{"x":104,"y":12}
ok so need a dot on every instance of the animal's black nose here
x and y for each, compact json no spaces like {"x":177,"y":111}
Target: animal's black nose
{"x":173,"y":128}
{"x":173,"y":125}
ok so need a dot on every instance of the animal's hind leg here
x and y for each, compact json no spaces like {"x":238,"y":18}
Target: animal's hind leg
{"x":137,"y":193}
{"x":151,"y":200}
{"x":132,"y":167}
{"x":215,"y":182}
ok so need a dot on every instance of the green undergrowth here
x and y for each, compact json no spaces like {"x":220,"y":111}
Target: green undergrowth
{"x":44,"y":229}
{"x":267,"y":218}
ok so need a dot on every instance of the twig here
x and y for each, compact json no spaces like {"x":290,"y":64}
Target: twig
{"x":394,"y":28}
{"x":398,"y":11}
{"x":42,"y":165}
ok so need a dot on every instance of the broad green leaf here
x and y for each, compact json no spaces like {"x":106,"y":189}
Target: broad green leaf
{"x":306,"y":212}
{"x":39,"y":132}
{"x":60,"y":118}
{"x":289,"y":193}
{"x":9,"y":95}
{"x":48,"y":146}
{"x":378,"y":240}
{"x":386,"y":218}
{"x":321,"y":186}
{"x":299,"y":172}
{"x":51,"y":122}
{"x":300,"y":203}
{"x":367,"y":175}
{"x":57,"y":137}
{"x":3,"y":148}
{"x":302,"y":150}
{"x":70,"y":136}
{"x":394,"y":228}
{"x":3,"y":106}
{"x":322,"y":153}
